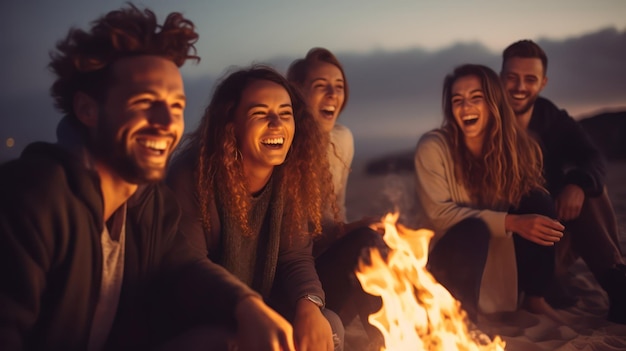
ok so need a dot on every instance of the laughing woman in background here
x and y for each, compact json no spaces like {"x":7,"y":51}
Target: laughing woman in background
{"x":480,"y":189}
{"x":322,"y":81}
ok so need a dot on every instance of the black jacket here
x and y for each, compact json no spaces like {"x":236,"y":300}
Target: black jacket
{"x":51,"y":220}
{"x":570,"y":157}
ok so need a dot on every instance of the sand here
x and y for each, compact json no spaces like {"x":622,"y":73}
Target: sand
{"x":586,"y":327}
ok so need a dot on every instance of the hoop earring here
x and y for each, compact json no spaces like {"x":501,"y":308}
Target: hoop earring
{"x":238,"y":155}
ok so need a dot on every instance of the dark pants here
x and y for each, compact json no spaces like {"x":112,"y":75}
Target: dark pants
{"x":458,"y":259}
{"x":336,"y":268}
{"x":535,"y":263}
{"x":594,"y":236}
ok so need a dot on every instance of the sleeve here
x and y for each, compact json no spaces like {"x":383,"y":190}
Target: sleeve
{"x":581,"y":161}
{"x":296,"y":266}
{"x":180,"y":180}
{"x":204,"y":290}
{"x":434,"y":179}
{"x":25,"y":257}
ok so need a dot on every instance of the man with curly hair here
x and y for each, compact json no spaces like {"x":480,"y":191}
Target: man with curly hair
{"x":90,"y":258}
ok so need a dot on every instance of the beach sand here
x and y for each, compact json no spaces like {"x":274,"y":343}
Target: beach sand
{"x":586,"y":327}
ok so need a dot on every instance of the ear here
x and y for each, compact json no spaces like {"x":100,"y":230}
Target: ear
{"x":86,"y":109}
{"x":544,"y":82}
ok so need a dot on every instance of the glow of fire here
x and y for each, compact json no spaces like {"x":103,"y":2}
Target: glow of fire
{"x":418,"y":313}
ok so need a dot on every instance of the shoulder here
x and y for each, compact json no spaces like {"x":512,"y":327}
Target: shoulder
{"x":547,"y":108}
{"x":341,"y":144}
{"x":45,"y":176}
{"x":341,"y":135}
{"x":432,"y":141}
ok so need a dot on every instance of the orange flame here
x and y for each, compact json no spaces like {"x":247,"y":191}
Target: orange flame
{"x":418,"y":313}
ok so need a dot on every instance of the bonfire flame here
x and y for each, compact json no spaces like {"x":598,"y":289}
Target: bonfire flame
{"x":418,"y":313}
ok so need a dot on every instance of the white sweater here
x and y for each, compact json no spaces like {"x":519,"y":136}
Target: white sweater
{"x":443,"y":202}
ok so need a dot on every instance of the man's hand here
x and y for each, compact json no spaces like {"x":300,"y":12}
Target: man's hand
{"x":569,"y":202}
{"x":261,"y":328}
{"x":539,"y":229}
{"x":311,"y":329}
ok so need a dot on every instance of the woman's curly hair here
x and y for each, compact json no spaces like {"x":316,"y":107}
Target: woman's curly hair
{"x":304,"y":178}
{"x":83,"y":59}
{"x":511,"y":163}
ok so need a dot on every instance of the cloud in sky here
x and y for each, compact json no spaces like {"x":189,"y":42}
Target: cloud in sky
{"x":241,"y":31}
{"x":395,"y":96}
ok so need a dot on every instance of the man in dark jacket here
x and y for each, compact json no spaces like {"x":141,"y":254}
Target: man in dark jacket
{"x":90,"y":258}
{"x":574,"y":169}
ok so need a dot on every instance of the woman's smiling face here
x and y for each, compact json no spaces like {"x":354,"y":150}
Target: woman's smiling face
{"x":470,"y":108}
{"x":324,"y":93}
{"x":264,"y":124}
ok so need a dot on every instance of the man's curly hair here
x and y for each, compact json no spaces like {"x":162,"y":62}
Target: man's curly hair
{"x":82,"y":61}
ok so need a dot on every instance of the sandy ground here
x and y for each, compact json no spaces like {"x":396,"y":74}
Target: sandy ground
{"x":586,"y":327}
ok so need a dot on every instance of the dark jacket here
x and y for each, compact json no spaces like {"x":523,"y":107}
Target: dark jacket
{"x":290,"y":257}
{"x":51,"y":220}
{"x":570,"y":157}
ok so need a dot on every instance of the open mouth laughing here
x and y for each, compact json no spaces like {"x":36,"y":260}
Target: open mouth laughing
{"x":328,"y":111}
{"x":273,"y":143}
{"x":157,"y":147}
{"x":469,"y":120}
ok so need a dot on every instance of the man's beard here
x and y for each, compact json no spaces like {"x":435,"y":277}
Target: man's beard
{"x":119,"y":157}
{"x":527,"y":106}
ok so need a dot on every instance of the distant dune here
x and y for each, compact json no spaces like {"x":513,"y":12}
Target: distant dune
{"x":607,"y":130}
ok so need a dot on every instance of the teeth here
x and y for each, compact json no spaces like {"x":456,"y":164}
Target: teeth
{"x":469,"y":117}
{"x":273,"y":141}
{"x":328,"y":108}
{"x":154,"y":144}
{"x":519,"y":96}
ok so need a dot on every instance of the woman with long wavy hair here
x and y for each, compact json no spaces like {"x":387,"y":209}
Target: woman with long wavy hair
{"x":480,"y":189}
{"x":252,"y":182}
{"x":324,"y":86}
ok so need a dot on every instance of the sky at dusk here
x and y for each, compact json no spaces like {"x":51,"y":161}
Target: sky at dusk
{"x":238,"y":32}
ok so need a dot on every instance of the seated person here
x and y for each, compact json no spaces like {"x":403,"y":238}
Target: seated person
{"x":321,"y":79}
{"x":479,"y":187}
{"x":88,"y":234}
{"x":250,"y":180}
{"x":575,"y":173}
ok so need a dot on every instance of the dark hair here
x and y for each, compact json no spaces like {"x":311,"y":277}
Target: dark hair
{"x":299,"y":68}
{"x":304,"y":177}
{"x":525,"y":49}
{"x":83,"y":59}
{"x":511,"y":164}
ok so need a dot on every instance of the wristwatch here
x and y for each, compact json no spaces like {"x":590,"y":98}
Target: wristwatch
{"x":315,"y":299}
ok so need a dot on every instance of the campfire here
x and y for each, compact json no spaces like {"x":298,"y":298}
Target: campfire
{"x":418,"y":313}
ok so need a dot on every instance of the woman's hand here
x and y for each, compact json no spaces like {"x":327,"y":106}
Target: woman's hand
{"x":539,"y":229}
{"x":312,"y":331}
{"x":262,"y":328}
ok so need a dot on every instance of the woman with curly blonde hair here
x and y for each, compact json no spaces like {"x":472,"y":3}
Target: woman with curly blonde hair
{"x":480,"y":189}
{"x":252,"y":180}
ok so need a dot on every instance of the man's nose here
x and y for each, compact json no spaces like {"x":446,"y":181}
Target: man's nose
{"x":161,"y":115}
